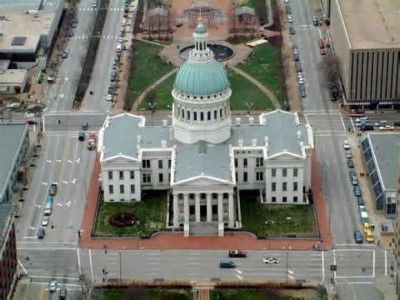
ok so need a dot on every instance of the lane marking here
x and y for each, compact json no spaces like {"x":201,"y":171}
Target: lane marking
{"x":79,"y":261}
{"x":323,"y":266}
{"x":44,"y":249}
{"x":385,"y":263}
{"x":19,"y":262}
{"x":53,"y":277}
{"x":355,"y":276}
{"x":91,"y":265}
{"x":373,"y":264}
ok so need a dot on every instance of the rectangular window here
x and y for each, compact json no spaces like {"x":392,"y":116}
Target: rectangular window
{"x":146,"y":164}
{"x":284,"y":199}
{"x":295,"y":172}
{"x":160,"y":164}
{"x":273,"y":172}
{"x":245,"y":162}
{"x":273,"y":186}
{"x":273,"y":199}
{"x":245,"y":177}
{"x":284,"y":186}
{"x":295,"y":186}
{"x":132,"y":174}
{"x":122,"y":189}
{"x":132,"y":188}
{"x":236,"y":162}
{"x":111,"y":189}
{"x":146,"y":178}
{"x":169,"y":164}
{"x":295,"y":199}
{"x":284,"y":172}
{"x":259,"y":162}
{"x":110,"y":175}
{"x":160,"y":177}
{"x":259,"y":176}
{"x":121,"y":175}
{"x":236,"y":176}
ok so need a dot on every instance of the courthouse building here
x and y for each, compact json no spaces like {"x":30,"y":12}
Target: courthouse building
{"x":203,"y":160}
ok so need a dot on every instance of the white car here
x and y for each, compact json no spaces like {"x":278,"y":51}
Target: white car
{"x":270,"y":260}
{"x":290,"y":19}
{"x":109,"y":97}
{"x":349,"y":155}
{"x":299,"y":75}
{"x":45,"y":221}
{"x":386,"y":128}
{"x":301,"y":81}
{"x":346,"y":145}
{"x":53,"y":286}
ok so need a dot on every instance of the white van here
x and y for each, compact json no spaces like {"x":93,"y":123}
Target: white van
{"x":364,"y":217}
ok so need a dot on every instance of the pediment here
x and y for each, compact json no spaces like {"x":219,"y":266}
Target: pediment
{"x":202,"y":181}
{"x":285,"y":156}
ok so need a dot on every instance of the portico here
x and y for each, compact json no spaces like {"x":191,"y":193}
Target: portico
{"x":203,"y":207}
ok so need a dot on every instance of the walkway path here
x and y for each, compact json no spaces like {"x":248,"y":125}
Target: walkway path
{"x":150,"y":88}
{"x":265,"y":90}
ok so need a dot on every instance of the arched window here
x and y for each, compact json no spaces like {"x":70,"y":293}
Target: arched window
{"x":209,"y":115}
{"x":183,"y":114}
{"x":201,"y":116}
{"x":220,"y":112}
{"x":188,"y":114}
{"x":195,"y":115}
{"x":215,"y":114}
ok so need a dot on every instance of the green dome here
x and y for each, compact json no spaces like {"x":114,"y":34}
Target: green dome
{"x":201,"y":78}
{"x":201,"y":29}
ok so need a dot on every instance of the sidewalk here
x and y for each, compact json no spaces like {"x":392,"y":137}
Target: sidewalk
{"x":175,"y":240}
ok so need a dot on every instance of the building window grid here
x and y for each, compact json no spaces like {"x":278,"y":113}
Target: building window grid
{"x":121,"y":175}
{"x":132,"y":174}
{"x":110,"y":175}
{"x":284,"y":172}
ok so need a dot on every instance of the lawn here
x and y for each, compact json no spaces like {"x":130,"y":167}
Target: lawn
{"x":266,"y":67}
{"x":263,"y":294}
{"x":255,"y":214}
{"x":151,"y":212}
{"x":243,"y":92}
{"x":147,"y":68}
{"x":141,"y":294}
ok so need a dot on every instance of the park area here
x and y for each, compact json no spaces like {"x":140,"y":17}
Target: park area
{"x":277,"y":220}
{"x":137,"y":219}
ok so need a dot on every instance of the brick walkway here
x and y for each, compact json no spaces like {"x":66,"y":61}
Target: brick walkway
{"x":230,"y":241}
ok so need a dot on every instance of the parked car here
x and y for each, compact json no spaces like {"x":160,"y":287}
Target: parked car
{"x":63,"y":294}
{"x":65,"y":53}
{"x":303,"y":93}
{"x":290,"y":18}
{"x":369,"y":236}
{"x":41,"y":233}
{"x":350,"y":163}
{"x":315,"y":21}
{"x":357,"y":191}
{"x":349,"y":155}
{"x":109,"y":97}
{"x":295,"y":48}
{"x":321,"y":43}
{"x":237,"y":253}
{"x":53,"y":286}
{"x":292,"y":30}
{"x":397,"y":124}
{"x":31,"y":122}
{"x":81,"y":136}
{"x":366,"y":127}
{"x":227,"y":264}
{"x":358,"y":237}
{"x":346,"y":145}
{"x":354,"y":180}
{"x":360,"y":200}
{"x":85,"y":126}
{"x":45,"y":221}
{"x":53,"y":189}
{"x":296,"y":56}
{"x":270,"y":260}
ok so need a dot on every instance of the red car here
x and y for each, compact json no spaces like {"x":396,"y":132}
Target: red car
{"x":31,"y":122}
{"x":237,"y":253}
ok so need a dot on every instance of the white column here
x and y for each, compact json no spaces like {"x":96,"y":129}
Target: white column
{"x":176,"y":210}
{"x":230,"y":210}
{"x":186,"y":207}
{"x":220,"y":209}
{"x":209,"y":208}
{"x":197,"y":207}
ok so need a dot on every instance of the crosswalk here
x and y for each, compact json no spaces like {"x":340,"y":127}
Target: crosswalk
{"x":97,"y":8}
{"x":86,"y":37}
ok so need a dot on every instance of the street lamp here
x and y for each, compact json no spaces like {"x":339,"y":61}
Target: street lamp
{"x":152,"y":106}
{"x":249,"y":107}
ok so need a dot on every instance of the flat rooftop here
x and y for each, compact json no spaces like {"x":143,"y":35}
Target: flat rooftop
{"x":386,"y":147}
{"x":12,"y":76}
{"x":371,"y":23}
{"x":27,"y":27}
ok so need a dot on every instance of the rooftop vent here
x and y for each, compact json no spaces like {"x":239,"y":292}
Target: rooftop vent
{"x":165,"y":123}
{"x":164,"y":144}
{"x":238,"y":121}
{"x":254,"y":142}
{"x":299,"y":135}
{"x":18,"y":41}
{"x":251,"y":120}
{"x":240,"y":143}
